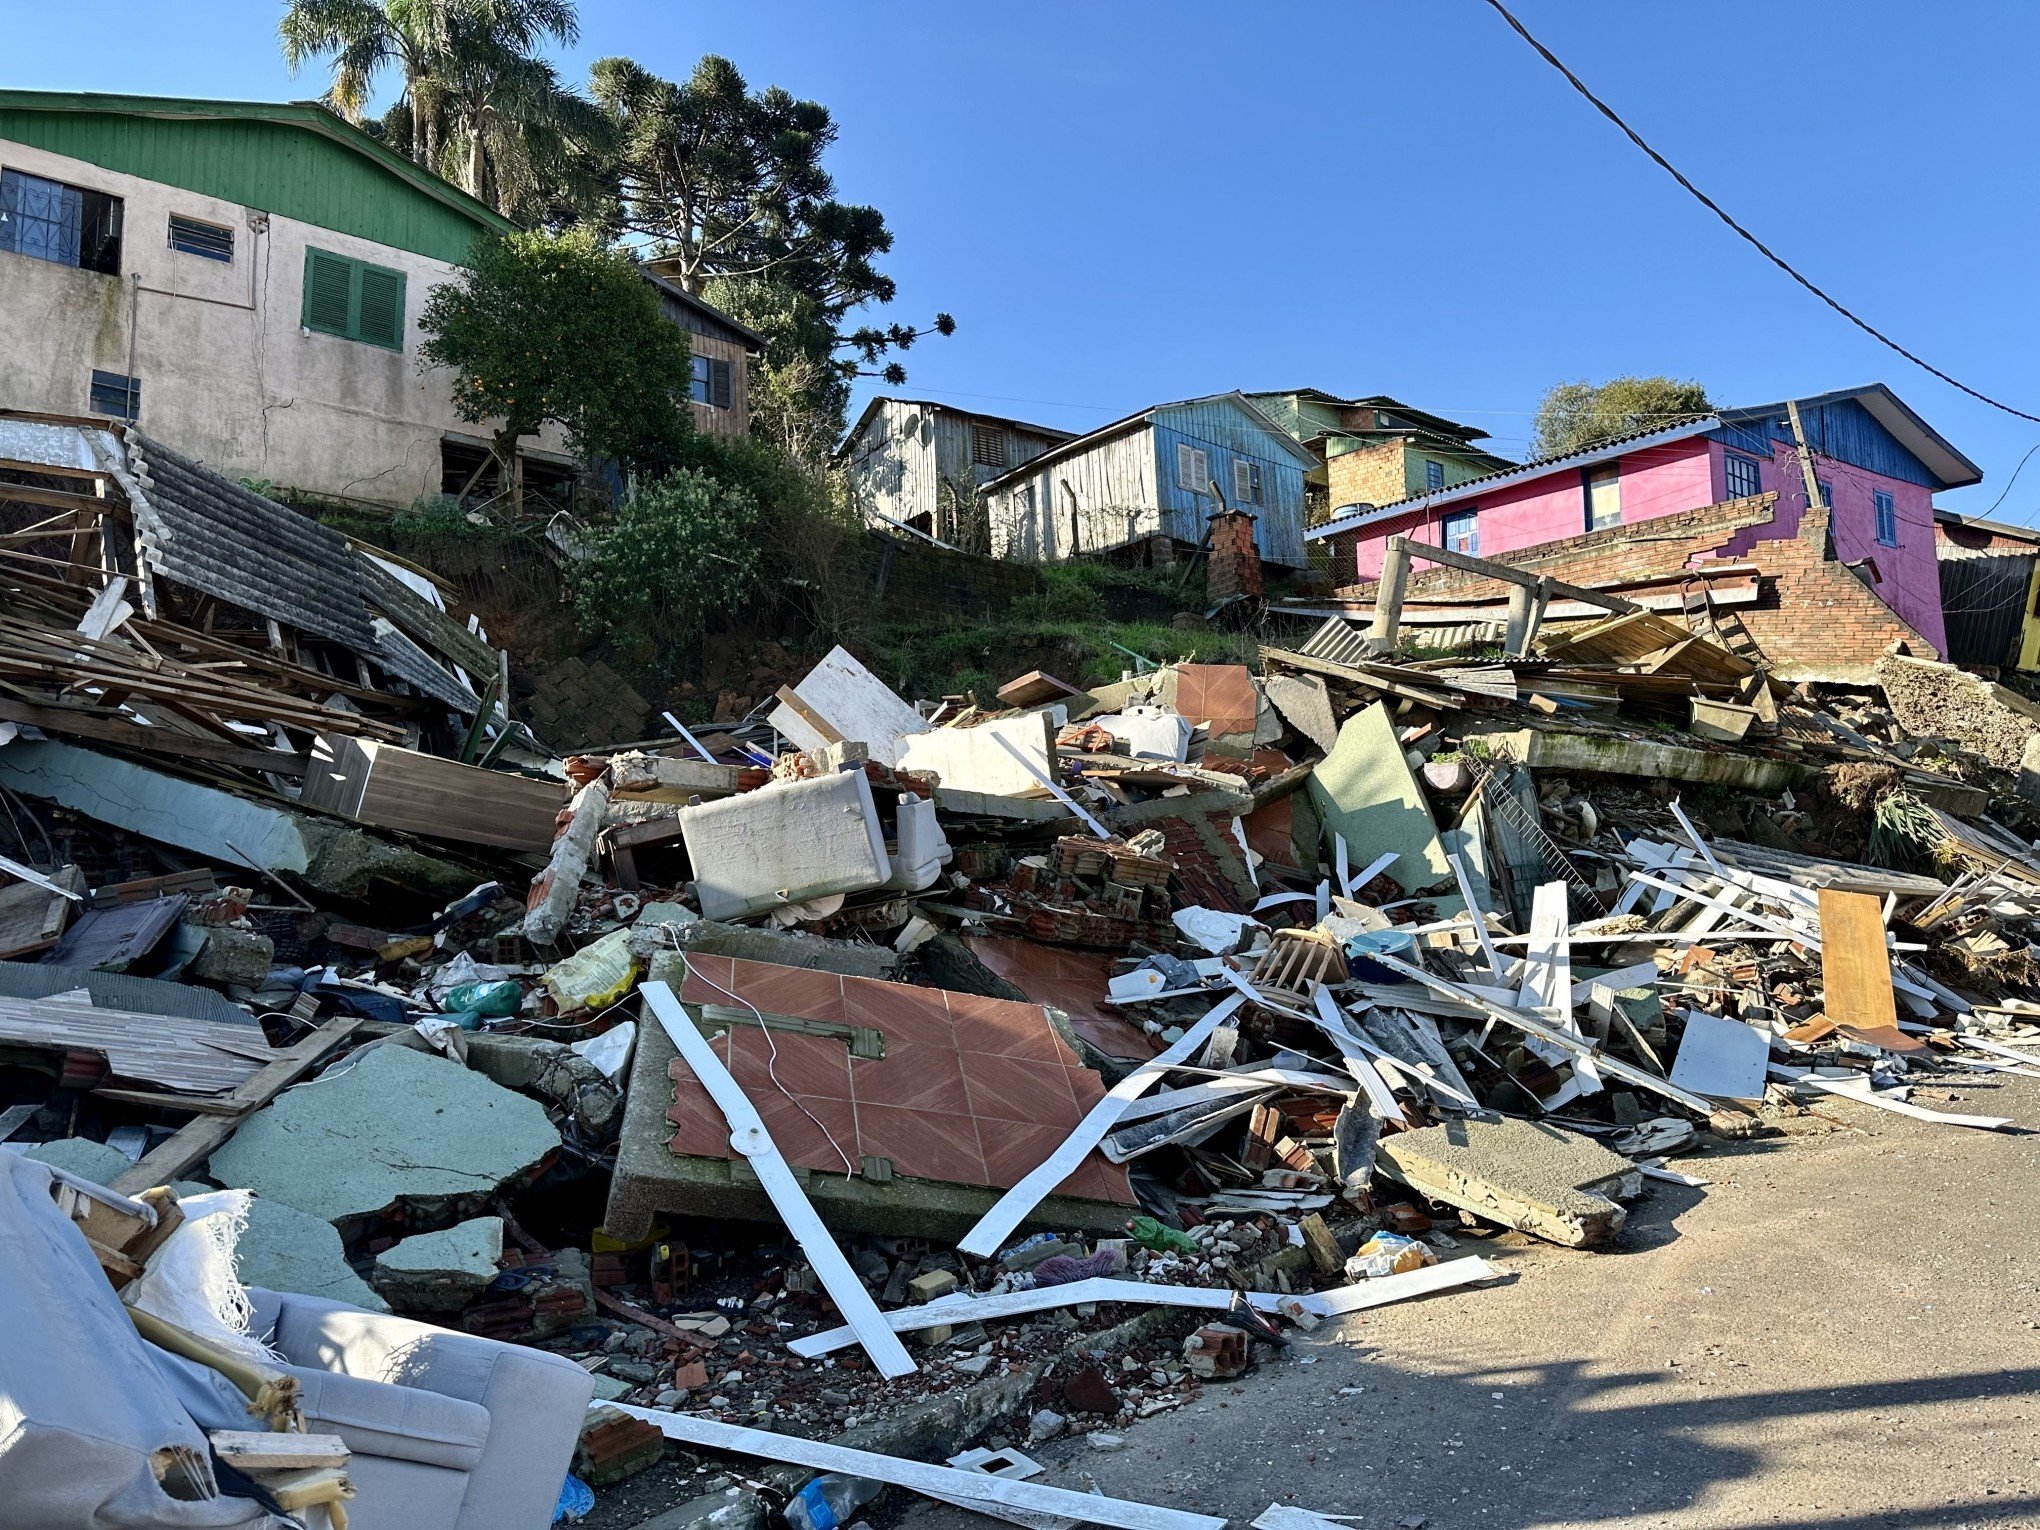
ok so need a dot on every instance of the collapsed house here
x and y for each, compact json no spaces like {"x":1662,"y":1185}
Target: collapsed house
{"x":870,"y":1050}
{"x":1807,"y":525}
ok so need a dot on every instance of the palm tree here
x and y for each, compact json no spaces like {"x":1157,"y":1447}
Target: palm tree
{"x":478,"y":106}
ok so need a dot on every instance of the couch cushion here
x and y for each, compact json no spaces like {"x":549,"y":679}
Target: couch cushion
{"x":398,"y":1423}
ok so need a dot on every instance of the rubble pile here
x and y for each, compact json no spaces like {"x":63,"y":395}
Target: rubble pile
{"x":1089,"y":1042}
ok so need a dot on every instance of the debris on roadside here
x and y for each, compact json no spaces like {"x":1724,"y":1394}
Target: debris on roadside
{"x":874,"y":1048}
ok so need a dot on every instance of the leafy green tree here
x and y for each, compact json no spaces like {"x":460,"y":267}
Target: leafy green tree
{"x":1575,"y":415}
{"x":545,"y":328}
{"x":478,"y":106}
{"x":678,"y":549}
{"x":728,"y":185}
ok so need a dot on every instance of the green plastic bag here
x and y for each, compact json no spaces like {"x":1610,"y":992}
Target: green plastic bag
{"x":492,"y":999}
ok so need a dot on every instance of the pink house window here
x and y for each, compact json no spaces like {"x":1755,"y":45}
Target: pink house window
{"x":1604,"y":496}
{"x":1462,"y":532}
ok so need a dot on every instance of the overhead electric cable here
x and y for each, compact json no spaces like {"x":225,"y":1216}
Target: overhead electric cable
{"x":1765,"y":250}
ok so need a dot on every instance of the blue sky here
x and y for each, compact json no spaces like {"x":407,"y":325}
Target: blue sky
{"x":1128,"y":203}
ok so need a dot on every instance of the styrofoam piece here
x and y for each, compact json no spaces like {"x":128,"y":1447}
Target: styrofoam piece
{"x":1721,"y":1058}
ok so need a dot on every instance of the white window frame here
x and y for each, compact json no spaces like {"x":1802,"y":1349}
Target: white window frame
{"x":1470,"y":517}
{"x":1609,"y":473}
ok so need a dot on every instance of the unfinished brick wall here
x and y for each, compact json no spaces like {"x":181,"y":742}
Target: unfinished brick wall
{"x":1372,"y":475}
{"x":1235,"y":567}
{"x":1813,"y":618}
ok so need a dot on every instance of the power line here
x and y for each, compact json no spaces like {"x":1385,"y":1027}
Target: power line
{"x":1763,"y":249}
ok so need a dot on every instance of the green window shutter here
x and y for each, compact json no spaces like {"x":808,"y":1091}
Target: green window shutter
{"x":380,"y":313}
{"x":329,"y":292}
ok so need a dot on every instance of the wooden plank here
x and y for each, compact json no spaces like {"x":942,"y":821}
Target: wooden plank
{"x":390,"y":787}
{"x":991,"y":1230}
{"x":1855,"y":966}
{"x":195,"y":1140}
{"x":749,"y":1137}
{"x":261,"y":1450}
{"x":76,"y":722}
{"x":918,"y":1476}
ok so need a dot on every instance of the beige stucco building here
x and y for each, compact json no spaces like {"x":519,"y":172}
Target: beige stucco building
{"x":244,"y":281}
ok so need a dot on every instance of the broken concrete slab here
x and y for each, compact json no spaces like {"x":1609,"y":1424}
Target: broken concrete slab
{"x":1615,"y":754}
{"x":82,"y":1156}
{"x":635,"y":776}
{"x":231,"y":957}
{"x":392,"y":1126}
{"x":323,"y":854}
{"x":1538,"y":1179}
{"x":441,"y":1271}
{"x":1004,"y":757}
{"x":1305,"y":702}
{"x":785,"y":844}
{"x":1933,"y":700}
{"x":1364,"y":791}
{"x":841,"y":700}
{"x":787,"y":948}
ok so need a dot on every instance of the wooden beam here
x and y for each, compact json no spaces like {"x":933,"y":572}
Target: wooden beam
{"x":113,"y":730}
{"x":1512,"y":575}
{"x":195,"y":1140}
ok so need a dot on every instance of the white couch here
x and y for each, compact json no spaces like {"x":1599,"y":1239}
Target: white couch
{"x":449,"y":1431}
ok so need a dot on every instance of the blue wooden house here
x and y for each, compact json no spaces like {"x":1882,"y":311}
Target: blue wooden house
{"x":1159,"y":473}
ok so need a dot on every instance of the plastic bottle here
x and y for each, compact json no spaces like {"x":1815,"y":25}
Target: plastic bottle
{"x":830,"y":1500}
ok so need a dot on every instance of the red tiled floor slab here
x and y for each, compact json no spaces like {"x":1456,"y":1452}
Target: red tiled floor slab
{"x":1015,"y":1089}
{"x":1097,"y":1178}
{"x":1221,"y":695}
{"x":923,"y":1144}
{"x":700,"y":1129}
{"x":1013,"y":1149}
{"x":1003,"y":1028}
{"x":702,"y":972}
{"x":917,"y":1075}
{"x":806,"y":1066}
{"x":900,"y":1010}
{"x":803,"y":1143}
{"x":789,"y":990}
{"x":1087,"y":1088}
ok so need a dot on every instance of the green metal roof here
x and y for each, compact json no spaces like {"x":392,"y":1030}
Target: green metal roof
{"x":295,"y":159}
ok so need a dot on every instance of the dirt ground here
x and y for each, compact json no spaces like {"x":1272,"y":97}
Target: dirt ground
{"x":1842,"y":1331}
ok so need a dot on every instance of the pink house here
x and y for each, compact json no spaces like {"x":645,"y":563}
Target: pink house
{"x":1878,"y":465}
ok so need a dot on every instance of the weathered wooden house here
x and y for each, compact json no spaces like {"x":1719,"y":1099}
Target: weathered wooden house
{"x":1156,"y":474}
{"x":719,"y":384}
{"x":918,"y":464}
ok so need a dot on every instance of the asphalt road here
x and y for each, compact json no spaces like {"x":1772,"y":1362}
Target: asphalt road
{"x":1842,"y":1331}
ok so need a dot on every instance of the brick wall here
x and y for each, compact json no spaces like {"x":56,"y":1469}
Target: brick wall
{"x":1235,"y":566}
{"x":1372,"y":475}
{"x":1813,"y":618}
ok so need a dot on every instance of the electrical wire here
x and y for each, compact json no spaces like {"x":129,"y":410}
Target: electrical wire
{"x":1763,"y":249}
{"x":772,"y":1050}
{"x":2035,"y":447}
